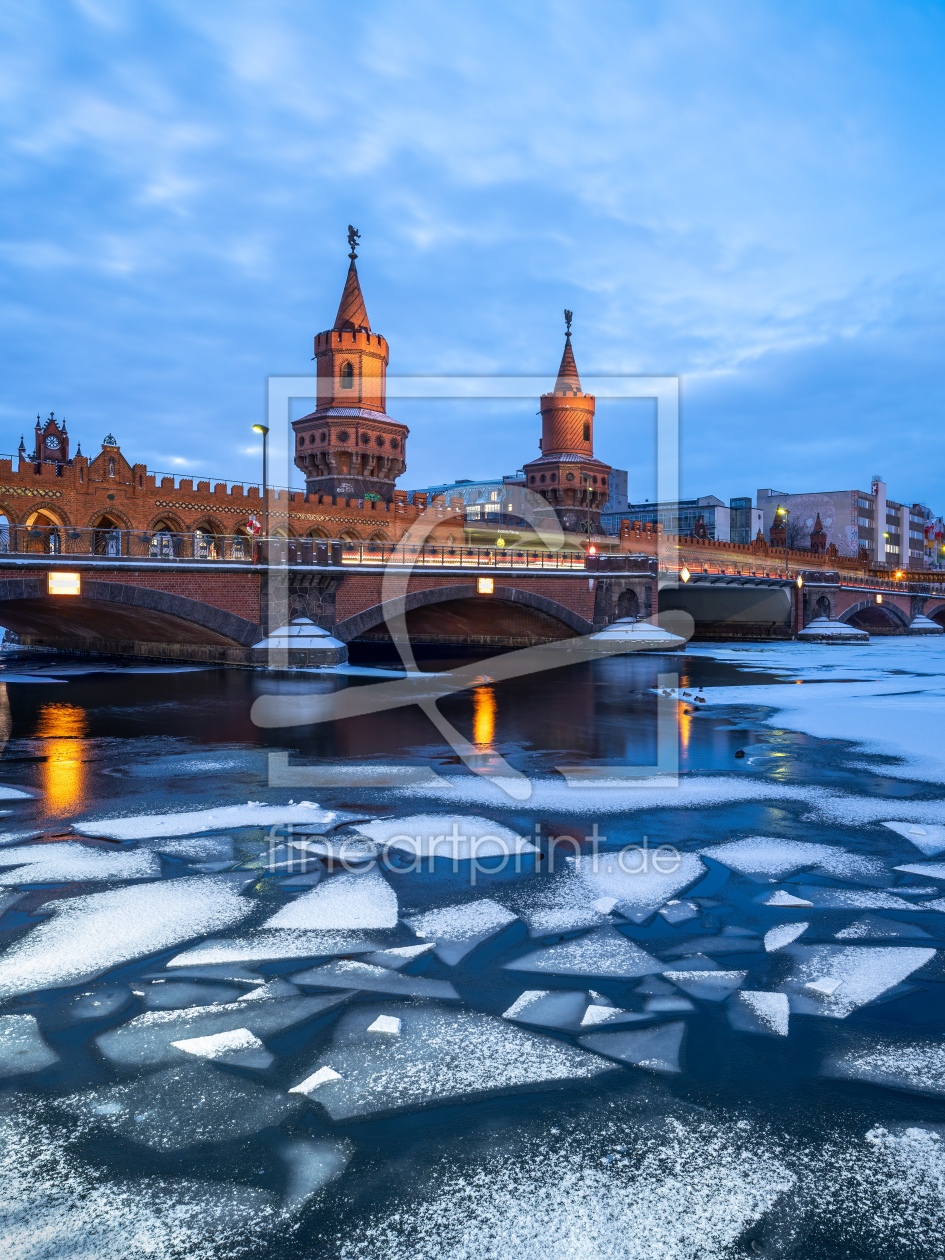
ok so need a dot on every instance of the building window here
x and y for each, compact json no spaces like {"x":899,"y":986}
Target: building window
{"x":323,"y":438}
{"x":343,"y":436}
{"x":378,"y":441}
{"x":587,"y":433}
{"x":861,"y":520}
{"x":393,"y":444}
{"x":365,"y":439}
{"x":111,"y":467}
{"x":866,"y":503}
{"x":347,"y":376}
{"x":542,"y":478}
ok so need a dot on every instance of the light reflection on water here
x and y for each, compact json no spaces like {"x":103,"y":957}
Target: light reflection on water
{"x":61,"y":727}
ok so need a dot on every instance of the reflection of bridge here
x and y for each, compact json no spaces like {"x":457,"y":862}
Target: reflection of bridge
{"x":211,"y":601}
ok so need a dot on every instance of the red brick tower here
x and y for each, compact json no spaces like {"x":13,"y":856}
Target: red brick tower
{"x":566,"y":473}
{"x":348,"y":446}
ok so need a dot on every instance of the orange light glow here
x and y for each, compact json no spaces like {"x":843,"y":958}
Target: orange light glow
{"x":592,"y":551}
{"x":64,"y":583}
{"x":62,"y":726}
{"x":485,"y":586}
{"x":483,"y":716}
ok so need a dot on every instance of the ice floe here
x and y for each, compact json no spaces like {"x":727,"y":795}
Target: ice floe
{"x":789,"y":900}
{"x":148,"y":1040}
{"x":274,"y":947}
{"x":238,"y":1048}
{"x":74,"y":862}
{"x":757,"y":1011}
{"x":170,"y":995}
{"x":929,"y":870}
{"x":349,"y":974}
{"x":680,"y":911}
{"x":767,"y":856}
{"x":311,"y":1165}
{"x":388,"y":1025}
{"x":200,"y":849}
{"x":400,"y":957}
{"x":315,"y":1081}
{"x":861,"y":973}
{"x":821,"y":897}
{"x":605,"y":953}
{"x":348,"y":900}
{"x":88,"y":935}
{"x":872,"y":927}
{"x":916,"y":1066}
{"x":711,"y":986}
{"x":777,"y":937}
{"x":182,"y":1106}
{"x":447,"y":836}
{"x":442,"y":1054}
{"x":929,"y":839}
{"x":100,"y":1003}
{"x":22,"y":1048}
{"x":458,"y":930}
{"x":8,"y":793}
{"x":549,"y":1008}
{"x":223,"y":817}
{"x":654,"y":1048}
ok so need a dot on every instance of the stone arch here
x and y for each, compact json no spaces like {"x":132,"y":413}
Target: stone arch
{"x":318,"y":533}
{"x":56,"y":516}
{"x":118,"y":611}
{"x":351,"y":627}
{"x":120,"y":519}
{"x":348,"y":534}
{"x":209,"y":526}
{"x":868,"y":615}
{"x":628,"y":604}
{"x":936,"y":613}
{"x":166,"y":521}
{"x":379,"y":536}
{"x":822,"y":607}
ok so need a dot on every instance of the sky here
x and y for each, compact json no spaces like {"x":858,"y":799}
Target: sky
{"x":743,"y":193}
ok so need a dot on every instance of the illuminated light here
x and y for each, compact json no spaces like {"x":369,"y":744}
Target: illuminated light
{"x":879,"y":599}
{"x":483,"y":716}
{"x":485,"y":586}
{"x":800,"y":581}
{"x":684,"y":574}
{"x":500,"y":542}
{"x":899,"y":574}
{"x":64,"y":583}
{"x":592,"y":551}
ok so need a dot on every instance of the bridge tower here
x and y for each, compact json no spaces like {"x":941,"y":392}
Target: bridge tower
{"x":349,"y":446}
{"x":566,"y":473}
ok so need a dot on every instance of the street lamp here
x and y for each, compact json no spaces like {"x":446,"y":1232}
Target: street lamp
{"x":261,"y":428}
{"x":587,"y":521}
{"x":787,"y":562}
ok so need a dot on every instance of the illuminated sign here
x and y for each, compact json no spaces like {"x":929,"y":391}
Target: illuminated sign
{"x":64,"y":584}
{"x":486,"y":586}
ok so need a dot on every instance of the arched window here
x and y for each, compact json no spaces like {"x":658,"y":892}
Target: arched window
{"x":111,"y":466}
{"x":163,"y":544}
{"x":106,"y":537}
{"x":347,"y":376}
{"x":4,"y":532}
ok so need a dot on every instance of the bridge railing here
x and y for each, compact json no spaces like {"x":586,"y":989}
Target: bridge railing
{"x":122,"y":544}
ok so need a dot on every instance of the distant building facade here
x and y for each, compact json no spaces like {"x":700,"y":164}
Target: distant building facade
{"x":705,"y":517}
{"x":891,"y":533}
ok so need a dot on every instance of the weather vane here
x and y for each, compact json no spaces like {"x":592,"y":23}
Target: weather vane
{"x":568,"y":316}
{"x":354,"y":236}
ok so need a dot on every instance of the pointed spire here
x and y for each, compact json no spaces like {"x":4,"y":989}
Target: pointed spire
{"x":568,"y":381}
{"x":352,"y":313}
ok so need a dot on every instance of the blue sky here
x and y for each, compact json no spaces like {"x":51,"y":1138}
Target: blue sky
{"x":748,"y":194}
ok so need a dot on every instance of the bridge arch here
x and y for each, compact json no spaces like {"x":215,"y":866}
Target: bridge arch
{"x":936,"y":613}
{"x":886,"y":617}
{"x":117,"y":612}
{"x":373,"y":617}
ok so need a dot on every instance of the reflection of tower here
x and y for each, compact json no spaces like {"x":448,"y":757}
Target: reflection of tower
{"x":348,"y":446}
{"x":575,"y":484}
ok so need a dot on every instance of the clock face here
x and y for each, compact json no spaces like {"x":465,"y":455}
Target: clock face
{"x":52,"y":442}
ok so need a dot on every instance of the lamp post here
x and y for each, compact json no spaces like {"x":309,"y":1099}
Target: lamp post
{"x":787,"y":560}
{"x":261,"y":428}
{"x":587,"y":520}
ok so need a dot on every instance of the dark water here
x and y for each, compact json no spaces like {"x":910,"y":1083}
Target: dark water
{"x":101,"y":744}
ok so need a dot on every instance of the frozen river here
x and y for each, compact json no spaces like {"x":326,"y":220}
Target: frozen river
{"x":656,"y":1018}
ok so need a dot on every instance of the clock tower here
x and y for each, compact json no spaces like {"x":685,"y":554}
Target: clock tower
{"x":52,"y":442}
{"x":349,"y":446}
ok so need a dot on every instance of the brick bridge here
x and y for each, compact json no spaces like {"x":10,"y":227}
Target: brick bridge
{"x":215,"y":610}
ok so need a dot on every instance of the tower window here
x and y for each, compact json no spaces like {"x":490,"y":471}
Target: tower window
{"x":347,"y":376}
{"x":587,"y":433}
{"x":111,"y":467}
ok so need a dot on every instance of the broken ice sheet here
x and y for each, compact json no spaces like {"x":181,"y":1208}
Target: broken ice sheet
{"x":928,"y":838}
{"x":605,"y":953}
{"x":873,"y":927}
{"x":639,"y":882}
{"x":710,"y":986}
{"x":350,"y":974}
{"x":400,"y":957}
{"x":458,"y":930}
{"x":863,"y":972}
{"x":757,"y":1011}
{"x":347,"y":900}
{"x":549,"y":1008}
{"x":442,"y":1054}
{"x":183,"y":1106}
{"x":311,"y":1165}
{"x":783,"y":934}
{"x":447,"y":836}
{"x":238,"y":1048}
{"x":197,"y":849}
{"x":930,"y":870}
{"x":147,"y":1040}
{"x":22,"y":1048}
{"x":654,"y":1048}
{"x":274,"y":947}
{"x":252,"y":814}
{"x":761,"y":857}
{"x":71,"y":862}
{"x":680,"y":911}
{"x":169,"y":995}
{"x":88,"y":935}
{"x":916,"y":1066}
